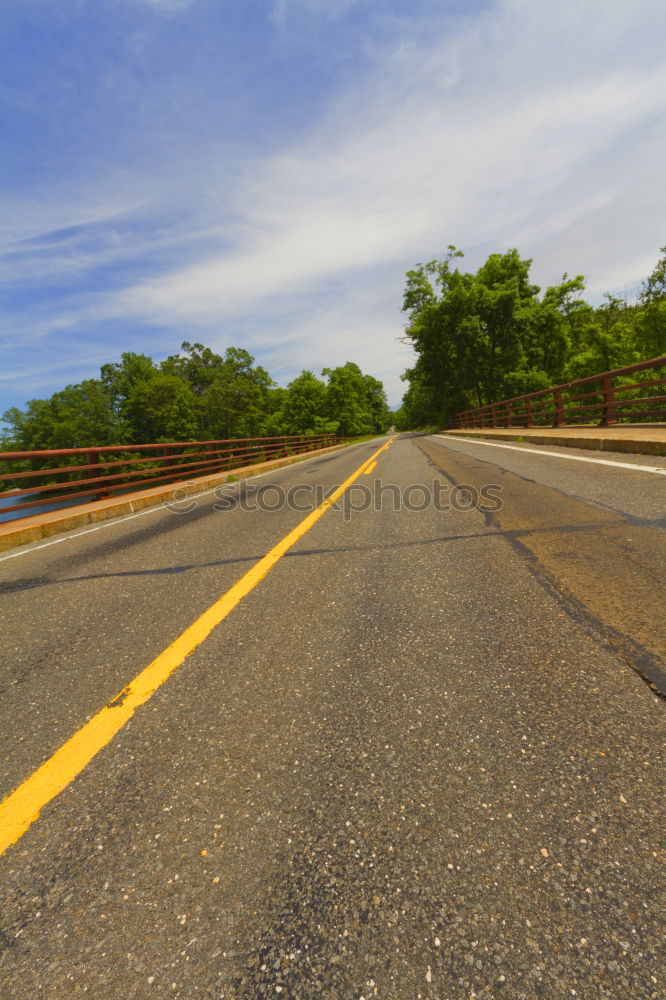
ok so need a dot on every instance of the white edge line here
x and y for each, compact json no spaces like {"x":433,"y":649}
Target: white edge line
{"x":112,"y":522}
{"x":557,"y":454}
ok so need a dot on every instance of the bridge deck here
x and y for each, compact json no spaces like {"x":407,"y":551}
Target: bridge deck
{"x":409,"y":747}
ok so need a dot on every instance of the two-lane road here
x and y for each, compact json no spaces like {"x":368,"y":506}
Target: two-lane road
{"x":417,"y":753}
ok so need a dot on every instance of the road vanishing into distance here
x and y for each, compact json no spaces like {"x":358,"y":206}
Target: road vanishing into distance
{"x":407,"y":746}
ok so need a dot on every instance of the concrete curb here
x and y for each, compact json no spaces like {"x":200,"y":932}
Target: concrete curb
{"x":634,"y":446}
{"x":32,"y":529}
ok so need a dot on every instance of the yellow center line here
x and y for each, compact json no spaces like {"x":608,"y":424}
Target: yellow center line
{"x":22,"y":806}
{"x":370,"y":468}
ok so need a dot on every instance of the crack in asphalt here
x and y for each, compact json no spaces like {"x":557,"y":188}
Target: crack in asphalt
{"x":648,"y":666}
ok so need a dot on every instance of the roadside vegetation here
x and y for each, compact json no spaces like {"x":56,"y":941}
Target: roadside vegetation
{"x":196,"y":395}
{"x":492,"y":335}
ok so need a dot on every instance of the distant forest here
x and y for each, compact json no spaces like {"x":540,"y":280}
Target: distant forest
{"x":486,"y":336}
{"x":196,"y":395}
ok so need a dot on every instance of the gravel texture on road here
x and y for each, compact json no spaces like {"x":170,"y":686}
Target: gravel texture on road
{"x":405,"y":766}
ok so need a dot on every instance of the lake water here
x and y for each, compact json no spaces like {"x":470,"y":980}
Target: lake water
{"x":14,"y":515}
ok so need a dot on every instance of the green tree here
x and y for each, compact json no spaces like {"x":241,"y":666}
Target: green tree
{"x":197,"y":365}
{"x":119,"y":380}
{"x":502,"y":300}
{"x":79,"y":416}
{"x":304,"y":404}
{"x":162,"y":408}
{"x":608,"y":340}
{"x":236,"y":402}
{"x":651,"y":324}
{"x":350,"y":400}
{"x":231,"y":392}
{"x":195,"y":395}
{"x":377,"y":403}
{"x":274,"y":421}
{"x":482,"y":337}
{"x":419,"y":407}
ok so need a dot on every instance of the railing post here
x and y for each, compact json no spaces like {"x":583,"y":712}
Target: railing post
{"x":566,"y":406}
{"x":609,"y":415}
{"x":93,"y":459}
{"x":559,"y":408}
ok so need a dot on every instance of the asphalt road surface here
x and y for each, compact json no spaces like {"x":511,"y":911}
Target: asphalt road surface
{"x":420,"y":757}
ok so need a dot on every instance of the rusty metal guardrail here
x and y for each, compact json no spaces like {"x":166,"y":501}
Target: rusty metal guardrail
{"x":606,"y":404}
{"x":114,"y":470}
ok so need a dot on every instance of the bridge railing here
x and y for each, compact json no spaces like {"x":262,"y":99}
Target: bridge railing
{"x":604,"y":399}
{"x":66,"y":476}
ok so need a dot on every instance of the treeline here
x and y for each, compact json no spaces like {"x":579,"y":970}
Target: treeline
{"x":486,"y":336}
{"x":196,"y":395}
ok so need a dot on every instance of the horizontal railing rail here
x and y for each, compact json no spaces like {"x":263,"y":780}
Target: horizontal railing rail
{"x":31,"y":480}
{"x":605,"y":404}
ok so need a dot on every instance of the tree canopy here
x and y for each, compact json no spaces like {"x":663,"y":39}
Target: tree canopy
{"x":490,"y":335}
{"x":196,"y":395}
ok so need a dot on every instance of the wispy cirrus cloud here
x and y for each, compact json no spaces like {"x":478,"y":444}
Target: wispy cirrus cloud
{"x":464,"y":128}
{"x":384,"y":182}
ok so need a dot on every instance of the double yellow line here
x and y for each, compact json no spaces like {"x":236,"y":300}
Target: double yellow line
{"x":22,"y":806}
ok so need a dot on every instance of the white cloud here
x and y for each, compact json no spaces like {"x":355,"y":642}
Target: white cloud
{"x":460,"y":160}
{"x":23,"y":220}
{"x":530,"y":125}
{"x":42,"y":374}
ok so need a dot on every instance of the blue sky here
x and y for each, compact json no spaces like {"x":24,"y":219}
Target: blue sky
{"x":261,"y":173}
